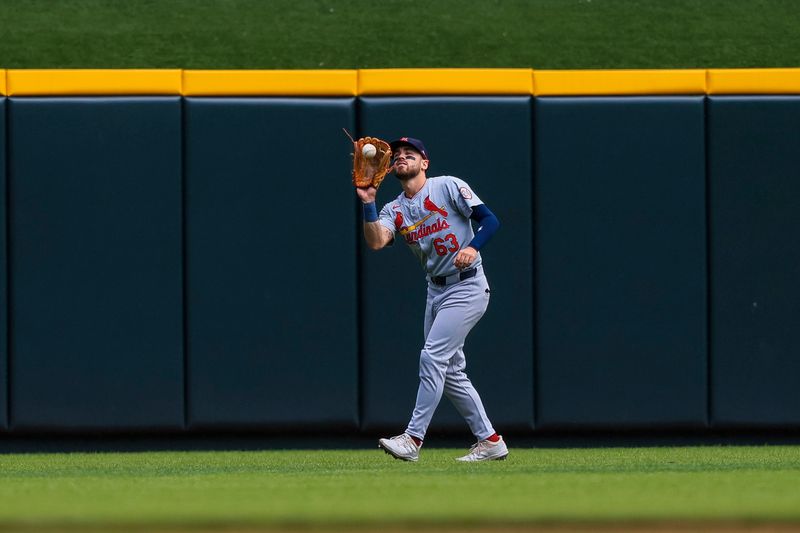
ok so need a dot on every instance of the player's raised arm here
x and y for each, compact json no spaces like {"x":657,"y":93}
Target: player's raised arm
{"x":376,"y":235}
{"x":372,"y":160}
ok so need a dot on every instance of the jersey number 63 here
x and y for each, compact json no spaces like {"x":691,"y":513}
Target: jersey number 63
{"x":442,"y":249}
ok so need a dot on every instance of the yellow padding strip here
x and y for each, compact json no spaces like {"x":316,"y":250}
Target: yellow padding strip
{"x":754,"y":81}
{"x":270,"y":82}
{"x":618,"y":82}
{"x":444,"y":81}
{"x":422,"y":82}
{"x":93,"y":82}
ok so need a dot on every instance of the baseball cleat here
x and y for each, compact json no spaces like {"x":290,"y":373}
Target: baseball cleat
{"x":400,"y":447}
{"x":486,"y":450}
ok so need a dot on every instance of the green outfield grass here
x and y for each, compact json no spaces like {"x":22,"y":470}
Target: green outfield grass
{"x":366,"y":487}
{"x":546,"y":34}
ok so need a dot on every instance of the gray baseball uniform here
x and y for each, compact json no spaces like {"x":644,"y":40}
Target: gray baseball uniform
{"x":435,"y":224}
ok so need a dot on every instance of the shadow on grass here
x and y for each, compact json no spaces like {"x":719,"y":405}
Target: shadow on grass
{"x":336,"y":440}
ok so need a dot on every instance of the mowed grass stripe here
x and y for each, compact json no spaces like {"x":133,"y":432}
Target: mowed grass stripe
{"x":275,"y":488}
{"x":339,"y":34}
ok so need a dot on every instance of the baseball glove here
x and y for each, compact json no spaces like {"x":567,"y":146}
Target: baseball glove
{"x":370,"y":171}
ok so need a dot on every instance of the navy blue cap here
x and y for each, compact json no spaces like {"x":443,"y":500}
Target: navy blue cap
{"x":416,"y":144}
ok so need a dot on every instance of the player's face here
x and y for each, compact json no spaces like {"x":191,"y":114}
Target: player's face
{"x":408,"y":163}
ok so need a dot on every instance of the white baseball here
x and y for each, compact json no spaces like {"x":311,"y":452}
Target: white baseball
{"x":369,"y":150}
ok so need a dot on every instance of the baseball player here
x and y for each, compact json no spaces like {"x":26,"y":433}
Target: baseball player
{"x":434,"y":217}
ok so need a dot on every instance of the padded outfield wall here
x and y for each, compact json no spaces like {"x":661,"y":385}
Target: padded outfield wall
{"x":181,"y":250}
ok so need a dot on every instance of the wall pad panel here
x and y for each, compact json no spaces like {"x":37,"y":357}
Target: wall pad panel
{"x":621,"y":269}
{"x":755,"y":260}
{"x":271,"y":264}
{"x":3,"y":274}
{"x":96,"y":291}
{"x":463,"y":136}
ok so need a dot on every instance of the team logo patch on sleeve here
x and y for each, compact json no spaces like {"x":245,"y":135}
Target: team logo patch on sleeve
{"x":465,"y":193}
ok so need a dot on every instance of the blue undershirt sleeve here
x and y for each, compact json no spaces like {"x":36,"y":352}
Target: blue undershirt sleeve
{"x":487,"y":225}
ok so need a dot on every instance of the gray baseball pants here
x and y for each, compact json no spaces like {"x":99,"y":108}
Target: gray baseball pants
{"x":451,"y":312}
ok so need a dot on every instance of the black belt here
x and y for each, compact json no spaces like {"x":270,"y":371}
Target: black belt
{"x":466,"y":274}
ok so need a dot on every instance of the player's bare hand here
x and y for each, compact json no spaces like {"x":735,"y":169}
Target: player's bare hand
{"x":367,"y":194}
{"x":465,"y":257}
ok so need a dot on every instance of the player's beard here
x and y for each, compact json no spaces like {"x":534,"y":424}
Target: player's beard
{"x":407,"y":172}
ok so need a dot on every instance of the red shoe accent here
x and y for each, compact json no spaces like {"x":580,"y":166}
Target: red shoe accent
{"x":494,"y":438}
{"x":417,"y":441}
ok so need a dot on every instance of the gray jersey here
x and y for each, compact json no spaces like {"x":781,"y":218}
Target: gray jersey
{"x":435,"y":222}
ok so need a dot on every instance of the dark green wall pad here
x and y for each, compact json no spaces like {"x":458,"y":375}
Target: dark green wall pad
{"x":3,"y":275}
{"x":754,"y":186}
{"x":271,"y":263}
{"x":487,"y":142}
{"x":620,"y":262}
{"x":95,"y":259}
